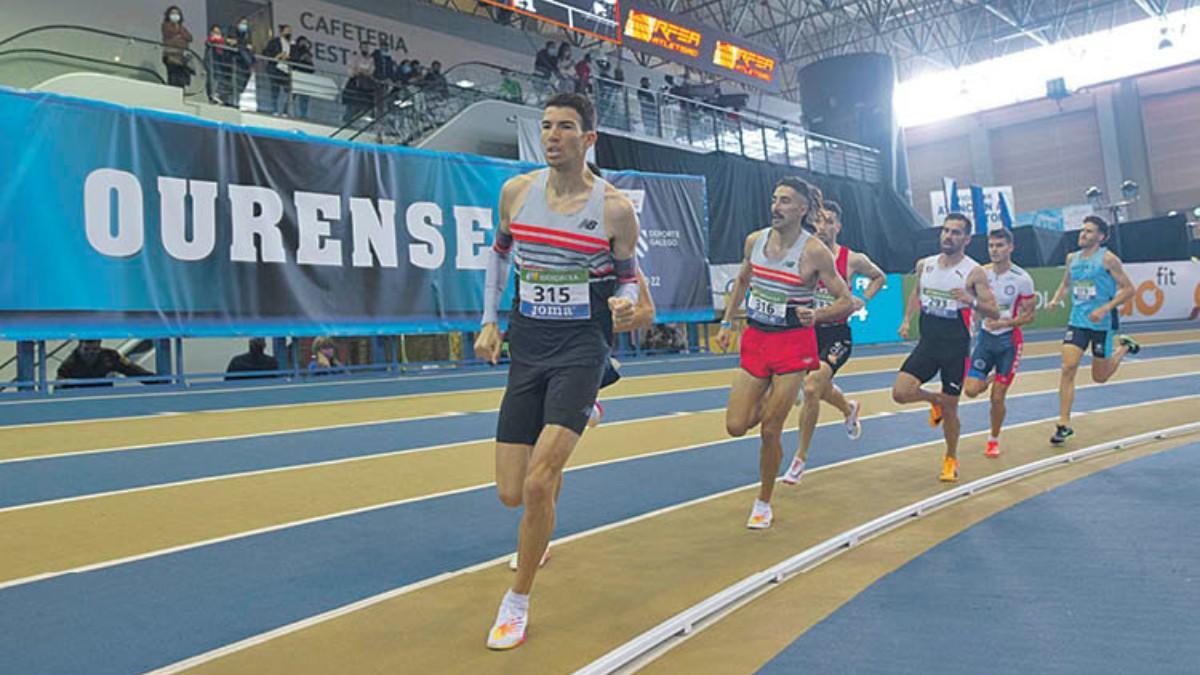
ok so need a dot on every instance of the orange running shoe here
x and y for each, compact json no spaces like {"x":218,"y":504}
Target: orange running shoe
{"x":993,"y":449}
{"x":935,"y":414}
{"x":949,"y":470}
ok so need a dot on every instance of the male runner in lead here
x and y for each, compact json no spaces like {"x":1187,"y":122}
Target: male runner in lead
{"x":783,"y":264}
{"x":573,"y":237}
{"x":1098,"y":286}
{"x":834,"y":342}
{"x":948,"y":287}
{"x":1000,"y":341}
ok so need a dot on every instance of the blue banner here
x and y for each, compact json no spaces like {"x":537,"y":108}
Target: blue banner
{"x":129,"y":222}
{"x":878,"y":321}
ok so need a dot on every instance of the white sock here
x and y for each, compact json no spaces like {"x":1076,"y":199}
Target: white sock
{"x":516,"y":601}
{"x":992,"y":438}
{"x":760,"y":505}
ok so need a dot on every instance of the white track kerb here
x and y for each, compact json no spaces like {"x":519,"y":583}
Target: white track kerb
{"x":685,"y":622}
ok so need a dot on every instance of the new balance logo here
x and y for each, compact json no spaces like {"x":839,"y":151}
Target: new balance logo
{"x":589,"y":224}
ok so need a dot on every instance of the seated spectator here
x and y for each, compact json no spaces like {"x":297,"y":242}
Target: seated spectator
{"x":254,"y":361}
{"x":90,"y":361}
{"x":324,"y":357}
{"x":175,"y":39}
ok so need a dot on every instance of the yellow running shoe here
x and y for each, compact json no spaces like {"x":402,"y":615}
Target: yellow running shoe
{"x":949,"y":470}
{"x":935,"y":414}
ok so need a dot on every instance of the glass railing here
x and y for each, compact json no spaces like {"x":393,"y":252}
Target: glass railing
{"x":33,"y":56}
{"x":639,"y":113}
{"x":402,"y":112}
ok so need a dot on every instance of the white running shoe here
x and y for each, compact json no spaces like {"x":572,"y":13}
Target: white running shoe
{"x":795,"y":471}
{"x":760,"y":516}
{"x":853,"y":425}
{"x":596,"y":415}
{"x":512,"y":562}
{"x":509,"y":629}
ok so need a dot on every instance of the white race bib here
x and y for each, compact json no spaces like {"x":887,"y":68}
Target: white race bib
{"x":939,"y":303}
{"x":555,"y":294}
{"x":1084,"y":290}
{"x":769,"y":307}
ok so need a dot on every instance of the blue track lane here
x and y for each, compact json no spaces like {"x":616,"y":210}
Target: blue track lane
{"x":1096,"y":576}
{"x":149,"y":613}
{"x":71,"y":476}
{"x":144,"y":400}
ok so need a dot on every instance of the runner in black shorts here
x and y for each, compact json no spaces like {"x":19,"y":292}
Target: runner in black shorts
{"x":834,"y":341}
{"x":573,"y":238}
{"x":947,"y":288}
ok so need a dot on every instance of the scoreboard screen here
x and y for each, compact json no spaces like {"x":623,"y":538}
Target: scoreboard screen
{"x":600,"y":19}
{"x":741,"y":60}
{"x":681,"y":39}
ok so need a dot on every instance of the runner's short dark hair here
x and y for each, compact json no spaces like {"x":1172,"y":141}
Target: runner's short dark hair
{"x":580,"y":104}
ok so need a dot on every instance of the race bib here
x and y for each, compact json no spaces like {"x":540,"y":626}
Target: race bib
{"x":936,"y":302}
{"x":769,"y":307}
{"x":1083,"y":290}
{"x":555,"y":294}
{"x":822,"y":297}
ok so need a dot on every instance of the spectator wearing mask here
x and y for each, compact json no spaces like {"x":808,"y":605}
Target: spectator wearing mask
{"x":90,"y":361}
{"x":242,"y":61}
{"x":254,"y":361}
{"x":302,"y":62}
{"x":384,"y":65}
{"x":545,"y":63}
{"x":279,"y":50}
{"x":217,"y":63}
{"x":325,"y":360}
{"x":176,"y":38}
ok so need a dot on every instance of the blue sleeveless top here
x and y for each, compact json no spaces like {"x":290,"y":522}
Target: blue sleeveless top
{"x":1091,"y":287}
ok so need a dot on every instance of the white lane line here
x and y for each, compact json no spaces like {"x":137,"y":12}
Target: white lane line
{"x":309,"y":622}
{"x":398,"y":397}
{"x":368,"y":423}
{"x":442,"y":446}
{"x":409,"y":500}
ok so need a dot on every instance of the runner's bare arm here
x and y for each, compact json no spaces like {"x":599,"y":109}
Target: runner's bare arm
{"x":497,"y":270}
{"x":912,"y":304}
{"x":737,"y":295}
{"x":861,"y":264}
{"x":1124,"y":286}
{"x":643,"y":312}
{"x":1062,"y":287}
{"x":985,"y":300}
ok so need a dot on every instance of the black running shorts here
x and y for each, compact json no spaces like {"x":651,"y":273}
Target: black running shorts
{"x":949,"y":357}
{"x":834,"y":345}
{"x":541,"y":395}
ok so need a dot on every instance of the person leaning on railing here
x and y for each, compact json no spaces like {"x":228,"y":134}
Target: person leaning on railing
{"x":302,"y":62}
{"x":175,"y":39}
{"x":219,"y":87}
